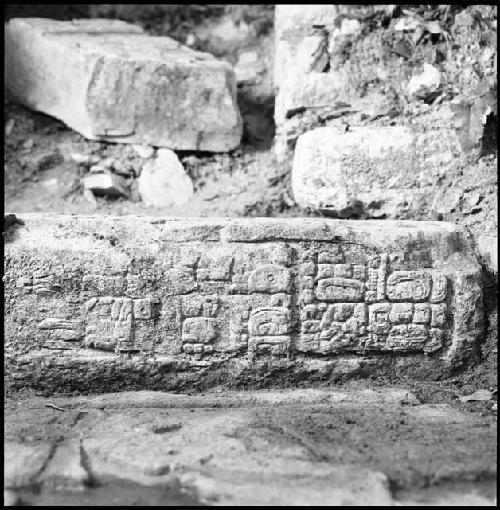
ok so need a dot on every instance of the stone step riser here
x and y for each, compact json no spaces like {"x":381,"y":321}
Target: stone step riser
{"x":113,"y":303}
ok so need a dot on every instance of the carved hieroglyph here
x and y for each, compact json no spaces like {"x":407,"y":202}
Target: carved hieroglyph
{"x":204,"y":293}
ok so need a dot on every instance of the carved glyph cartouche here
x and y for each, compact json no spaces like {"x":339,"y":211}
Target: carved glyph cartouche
{"x":276,"y":300}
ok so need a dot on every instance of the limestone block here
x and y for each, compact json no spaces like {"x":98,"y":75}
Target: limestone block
{"x":104,"y":303}
{"x":110,"y":81}
{"x":376,"y":172}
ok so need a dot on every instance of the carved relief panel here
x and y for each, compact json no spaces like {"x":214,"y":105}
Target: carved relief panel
{"x":353,"y":302}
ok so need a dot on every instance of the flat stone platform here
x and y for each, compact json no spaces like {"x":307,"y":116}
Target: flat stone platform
{"x":98,"y":303}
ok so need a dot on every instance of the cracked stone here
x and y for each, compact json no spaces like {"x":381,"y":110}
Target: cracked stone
{"x":65,"y":470}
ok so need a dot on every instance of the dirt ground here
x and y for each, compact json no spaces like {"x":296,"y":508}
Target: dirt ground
{"x":359,"y":444}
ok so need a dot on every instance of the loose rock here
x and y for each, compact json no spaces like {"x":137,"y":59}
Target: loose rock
{"x":248,"y":67}
{"x":163,"y":181}
{"x":471,"y":202}
{"x":28,"y":144}
{"x":350,"y":27}
{"x":410,"y":399}
{"x":9,"y":127}
{"x":84,"y":159}
{"x":144,"y":151}
{"x":477,"y":396}
{"x":406,"y":24}
{"x":425,"y":85}
{"x":106,"y":184}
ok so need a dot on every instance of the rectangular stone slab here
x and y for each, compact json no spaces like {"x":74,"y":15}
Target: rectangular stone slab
{"x":374,"y":171}
{"x":109,"y":80}
{"x":104,"y":303}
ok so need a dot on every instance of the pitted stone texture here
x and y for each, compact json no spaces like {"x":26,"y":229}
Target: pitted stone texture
{"x":101,"y":303}
{"x":378,"y":172}
{"x":110,"y":81}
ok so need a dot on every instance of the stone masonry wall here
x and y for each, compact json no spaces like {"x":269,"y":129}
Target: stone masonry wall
{"x":381,"y":65}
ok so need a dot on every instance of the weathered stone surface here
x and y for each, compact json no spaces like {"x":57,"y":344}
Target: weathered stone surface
{"x":488,"y":249}
{"x":370,"y":171}
{"x":304,"y":77}
{"x":110,"y":81}
{"x":23,"y":463}
{"x":10,"y":498}
{"x":101,"y":302}
{"x":163,"y":181}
